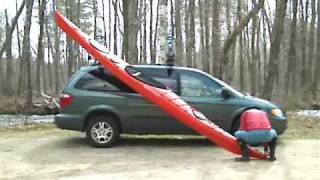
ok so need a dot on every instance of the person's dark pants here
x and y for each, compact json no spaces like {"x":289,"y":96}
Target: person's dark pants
{"x":256,"y":137}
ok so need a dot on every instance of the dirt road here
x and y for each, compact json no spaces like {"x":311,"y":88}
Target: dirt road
{"x":55,"y":154}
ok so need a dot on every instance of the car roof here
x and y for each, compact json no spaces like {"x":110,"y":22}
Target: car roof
{"x":147,"y":66}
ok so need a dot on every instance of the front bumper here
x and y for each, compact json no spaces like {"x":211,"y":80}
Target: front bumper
{"x":280,"y":124}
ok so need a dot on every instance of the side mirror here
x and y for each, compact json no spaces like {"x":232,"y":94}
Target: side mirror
{"x":226,"y":93}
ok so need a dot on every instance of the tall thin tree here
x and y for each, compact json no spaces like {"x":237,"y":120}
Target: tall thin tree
{"x":26,"y":50}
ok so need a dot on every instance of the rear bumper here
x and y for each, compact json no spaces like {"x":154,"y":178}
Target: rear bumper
{"x":280,"y":124}
{"x":68,"y":122}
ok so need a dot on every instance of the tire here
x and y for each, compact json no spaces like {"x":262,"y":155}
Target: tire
{"x":235,"y":126}
{"x":104,"y":126}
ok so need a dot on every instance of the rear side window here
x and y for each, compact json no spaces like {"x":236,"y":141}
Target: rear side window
{"x":101,"y":80}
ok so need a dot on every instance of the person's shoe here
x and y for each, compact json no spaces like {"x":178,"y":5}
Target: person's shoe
{"x":272,"y":158}
{"x":242,"y":159}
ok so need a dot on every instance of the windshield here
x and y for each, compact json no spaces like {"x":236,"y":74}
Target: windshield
{"x":137,"y":74}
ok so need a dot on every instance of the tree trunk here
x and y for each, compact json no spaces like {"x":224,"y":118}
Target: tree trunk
{"x":192,"y":34}
{"x":291,"y":63}
{"x":140,"y":32}
{"x":207,"y":37}
{"x":144,"y":57}
{"x":258,"y":59}
{"x":304,"y":16}
{"x":18,"y":34}
{"x":95,"y":14}
{"x":187,"y":33}
{"x":311,"y":46}
{"x":163,"y":30}
{"x":8,"y":86}
{"x":229,"y":64}
{"x":152,"y":56}
{"x":253,"y":63}
{"x":49,"y":51}
{"x":316,"y":80}
{"x":179,"y":46}
{"x":130,"y":30}
{"x":26,"y":50}
{"x":115,"y":32}
{"x":56,"y":55}
{"x":71,"y":60}
{"x":104,"y":24}
{"x":216,"y":42}
{"x":202,"y":34}
{"x":110,"y":26}
{"x":40,"y":54}
{"x":156,"y":33}
{"x":277,"y":32}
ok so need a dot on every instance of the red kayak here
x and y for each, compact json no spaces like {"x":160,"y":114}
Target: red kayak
{"x":153,"y":91}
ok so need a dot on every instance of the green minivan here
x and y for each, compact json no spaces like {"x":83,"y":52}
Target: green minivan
{"x":96,"y":102}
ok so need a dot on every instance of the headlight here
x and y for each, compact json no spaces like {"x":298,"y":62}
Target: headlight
{"x":277,"y":112}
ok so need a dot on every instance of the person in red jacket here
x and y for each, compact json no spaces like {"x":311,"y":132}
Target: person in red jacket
{"x":255,"y":129}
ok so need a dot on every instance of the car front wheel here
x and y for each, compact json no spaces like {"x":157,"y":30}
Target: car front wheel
{"x":102,"y":131}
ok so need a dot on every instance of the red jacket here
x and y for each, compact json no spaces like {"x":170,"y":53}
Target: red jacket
{"x":254,"y":119}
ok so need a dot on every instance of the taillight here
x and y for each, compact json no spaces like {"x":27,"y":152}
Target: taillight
{"x":65,"y":100}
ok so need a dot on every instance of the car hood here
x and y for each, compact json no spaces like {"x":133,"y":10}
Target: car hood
{"x":261,"y":102}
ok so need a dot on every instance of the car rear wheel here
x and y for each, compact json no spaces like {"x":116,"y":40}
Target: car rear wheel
{"x":102,"y":131}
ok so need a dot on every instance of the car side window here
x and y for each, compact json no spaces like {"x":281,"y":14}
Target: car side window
{"x":101,"y":80}
{"x":195,"y":84}
{"x":161,"y":75}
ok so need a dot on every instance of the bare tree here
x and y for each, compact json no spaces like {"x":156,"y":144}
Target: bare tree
{"x":131,"y":25}
{"x":152,"y":56}
{"x":207,"y":34}
{"x":202,"y":33}
{"x":303,"y":43}
{"x":277,"y":32}
{"x":40,"y":54}
{"x":56,"y":54}
{"x":316,"y":80}
{"x":8,"y":88}
{"x":188,"y":54}
{"x":26,"y":50}
{"x":179,"y":45}
{"x":163,"y":30}
{"x":192,"y":34}
{"x":311,"y":38}
{"x":237,"y":30}
{"x":216,"y":41}
{"x":13,"y":25}
{"x":115,"y":32}
{"x":292,"y":49}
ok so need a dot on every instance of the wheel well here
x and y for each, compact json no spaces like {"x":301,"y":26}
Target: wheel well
{"x":104,"y":113}
{"x":237,"y":118}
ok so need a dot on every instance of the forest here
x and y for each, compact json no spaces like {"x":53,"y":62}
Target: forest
{"x":269,"y":49}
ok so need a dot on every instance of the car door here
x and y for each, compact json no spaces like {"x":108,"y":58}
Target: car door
{"x":147,"y":117}
{"x":204,"y":93}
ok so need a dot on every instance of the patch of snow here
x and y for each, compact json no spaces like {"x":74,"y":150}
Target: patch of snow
{"x":15,"y":120}
{"x":309,"y":113}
